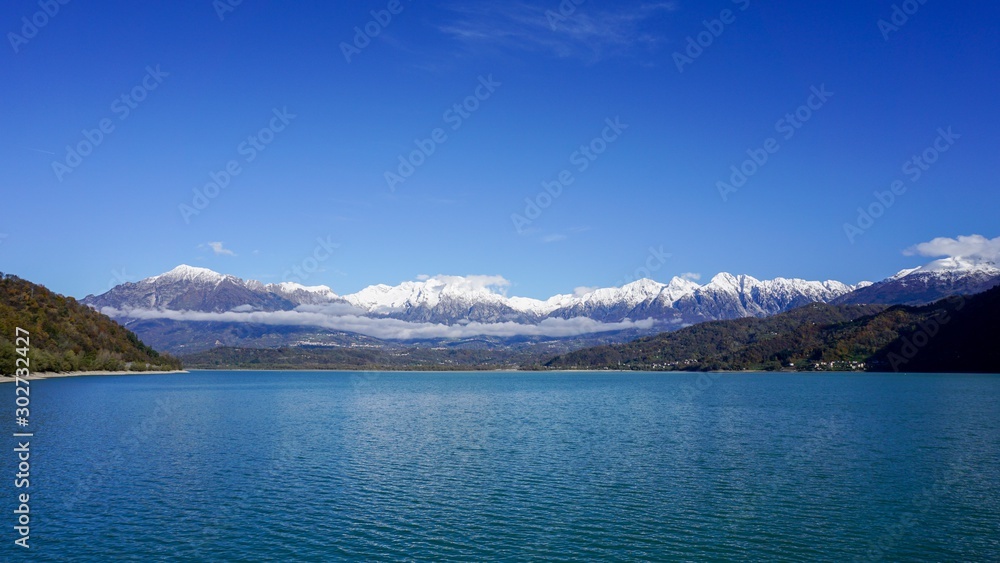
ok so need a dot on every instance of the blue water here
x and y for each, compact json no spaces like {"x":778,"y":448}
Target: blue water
{"x":283,"y":466}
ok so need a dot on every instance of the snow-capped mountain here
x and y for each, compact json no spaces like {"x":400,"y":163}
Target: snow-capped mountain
{"x":450,"y":299}
{"x":442,"y":299}
{"x":928,"y":283}
{"x":727,"y":296}
{"x":453,"y":300}
{"x":186,"y":288}
{"x":296,"y":293}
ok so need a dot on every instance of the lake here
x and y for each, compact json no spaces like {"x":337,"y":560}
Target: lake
{"x":252,"y":466}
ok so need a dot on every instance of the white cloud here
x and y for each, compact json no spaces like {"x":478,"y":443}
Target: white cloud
{"x":589,"y":32}
{"x":554,"y":238}
{"x":975,"y":248}
{"x":496,"y":284}
{"x":690,"y":276}
{"x":218,"y":249}
{"x":342,"y":319}
{"x":584,"y":290}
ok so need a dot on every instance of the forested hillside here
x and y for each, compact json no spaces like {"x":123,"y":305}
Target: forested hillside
{"x":67,"y":336}
{"x":952,"y":335}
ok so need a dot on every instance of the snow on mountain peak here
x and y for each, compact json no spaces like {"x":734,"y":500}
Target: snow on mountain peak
{"x":631,"y":293}
{"x":292,"y":286}
{"x":643,"y":288}
{"x":725,"y":281}
{"x":430,"y":291}
{"x":963,"y":255}
{"x":678,"y":282}
{"x":189,"y":273}
{"x":953,"y":265}
{"x":311,"y":294}
{"x":644,"y":284}
{"x":904,"y":272}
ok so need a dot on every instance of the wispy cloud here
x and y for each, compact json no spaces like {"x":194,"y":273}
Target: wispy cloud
{"x":554,"y":238}
{"x":590,"y":32}
{"x":218,"y":249}
{"x":342,"y":317}
{"x":690,"y":276}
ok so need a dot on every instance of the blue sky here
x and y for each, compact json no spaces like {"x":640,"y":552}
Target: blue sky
{"x":271,"y":80}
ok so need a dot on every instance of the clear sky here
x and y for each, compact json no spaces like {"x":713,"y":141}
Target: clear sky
{"x":309,"y":115}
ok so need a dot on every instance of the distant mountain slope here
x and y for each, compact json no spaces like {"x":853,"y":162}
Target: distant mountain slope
{"x":926,"y":284}
{"x":67,"y":336}
{"x":954,"y":334}
{"x":188,"y":337}
{"x":186,"y":288}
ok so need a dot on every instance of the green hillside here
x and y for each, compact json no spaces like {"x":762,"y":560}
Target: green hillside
{"x":67,"y":336}
{"x":951,"y":335}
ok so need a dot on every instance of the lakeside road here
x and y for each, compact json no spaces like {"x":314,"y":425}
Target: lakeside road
{"x":6,"y":378}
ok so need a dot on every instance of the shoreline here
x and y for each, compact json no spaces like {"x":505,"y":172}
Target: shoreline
{"x":5,"y":378}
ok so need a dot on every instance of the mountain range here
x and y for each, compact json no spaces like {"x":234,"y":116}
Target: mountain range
{"x":189,"y":309}
{"x":453,"y":300}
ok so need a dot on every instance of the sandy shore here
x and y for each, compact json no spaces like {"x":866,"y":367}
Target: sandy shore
{"x":51,"y":374}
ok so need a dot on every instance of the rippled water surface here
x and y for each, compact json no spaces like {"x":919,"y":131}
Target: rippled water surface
{"x":284,"y":466}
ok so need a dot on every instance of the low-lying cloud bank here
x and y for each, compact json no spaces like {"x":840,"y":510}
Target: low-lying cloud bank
{"x":341,"y":318}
